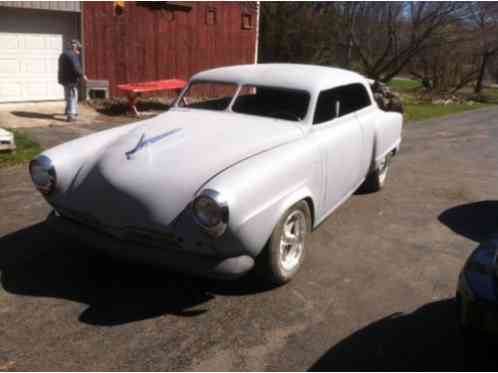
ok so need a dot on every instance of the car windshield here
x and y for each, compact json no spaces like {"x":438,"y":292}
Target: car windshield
{"x":271,"y":102}
{"x":208,"y":95}
{"x":280,"y":103}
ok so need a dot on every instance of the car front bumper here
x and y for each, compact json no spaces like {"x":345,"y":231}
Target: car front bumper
{"x":178,"y":260}
{"x":477,"y":292}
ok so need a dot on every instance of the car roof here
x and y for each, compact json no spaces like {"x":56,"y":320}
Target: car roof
{"x":312,"y":78}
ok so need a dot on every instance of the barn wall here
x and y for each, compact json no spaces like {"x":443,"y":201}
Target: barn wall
{"x":144,"y":44}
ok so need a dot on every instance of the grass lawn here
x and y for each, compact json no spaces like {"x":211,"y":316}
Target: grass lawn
{"x":26,"y":150}
{"x":404,"y":85}
{"x":415,"y":111}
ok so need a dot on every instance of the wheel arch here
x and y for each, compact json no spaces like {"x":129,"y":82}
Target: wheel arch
{"x":260,"y":189}
{"x":301,"y":194}
{"x":311,"y":206}
{"x":257,"y":230}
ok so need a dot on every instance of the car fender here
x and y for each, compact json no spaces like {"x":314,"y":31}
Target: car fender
{"x":257,"y":229}
{"x":259,"y":190}
{"x":74,"y":158}
{"x":387,"y":136}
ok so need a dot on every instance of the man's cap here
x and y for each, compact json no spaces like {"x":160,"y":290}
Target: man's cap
{"x":75,"y":43}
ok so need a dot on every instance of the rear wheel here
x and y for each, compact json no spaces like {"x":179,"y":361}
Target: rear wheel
{"x":286,"y":249}
{"x":376,"y":180}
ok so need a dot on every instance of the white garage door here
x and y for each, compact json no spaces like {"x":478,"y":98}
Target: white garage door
{"x":28,"y":67}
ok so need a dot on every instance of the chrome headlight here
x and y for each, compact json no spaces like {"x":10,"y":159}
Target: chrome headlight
{"x":43,"y":174}
{"x":210,"y":211}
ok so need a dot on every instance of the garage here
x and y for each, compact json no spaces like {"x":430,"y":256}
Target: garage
{"x":31,"y":41}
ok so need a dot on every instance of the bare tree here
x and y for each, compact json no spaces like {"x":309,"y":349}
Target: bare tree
{"x":292,"y":32}
{"x":387,"y":35}
{"x":445,"y":44}
{"x":484,"y":17}
{"x":449,"y":59}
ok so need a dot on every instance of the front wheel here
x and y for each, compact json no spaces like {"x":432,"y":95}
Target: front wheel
{"x":283,"y":255}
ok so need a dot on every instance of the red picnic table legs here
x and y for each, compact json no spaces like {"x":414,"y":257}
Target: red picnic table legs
{"x":134,"y":90}
{"x":132,"y":103}
{"x":133,"y":99}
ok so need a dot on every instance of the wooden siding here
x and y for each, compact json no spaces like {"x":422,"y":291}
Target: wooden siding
{"x":145,"y":44}
{"x":65,"y":6}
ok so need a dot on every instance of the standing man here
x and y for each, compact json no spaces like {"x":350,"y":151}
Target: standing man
{"x":70,"y":75}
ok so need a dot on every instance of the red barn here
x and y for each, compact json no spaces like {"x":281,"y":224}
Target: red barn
{"x":126,"y":42}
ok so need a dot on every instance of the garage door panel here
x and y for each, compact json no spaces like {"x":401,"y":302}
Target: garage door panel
{"x":55,"y":90}
{"x":10,"y":91}
{"x":54,"y":42}
{"x":28,"y":69}
{"x":9,"y":42}
{"x":52,"y":66}
{"x":33,"y":42}
{"x":36,"y":89}
{"x":34,"y":66}
{"x":30,"y":48}
{"x":9,"y":66}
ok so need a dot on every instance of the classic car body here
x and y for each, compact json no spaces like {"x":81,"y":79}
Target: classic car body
{"x":203,"y":189}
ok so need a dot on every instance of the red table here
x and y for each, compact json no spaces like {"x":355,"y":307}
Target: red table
{"x":134,"y":90}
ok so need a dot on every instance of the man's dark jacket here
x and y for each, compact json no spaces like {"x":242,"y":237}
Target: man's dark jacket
{"x":69,"y":68}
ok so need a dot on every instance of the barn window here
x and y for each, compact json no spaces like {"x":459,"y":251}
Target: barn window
{"x":211,"y":16}
{"x":119,"y":8}
{"x":183,"y":6}
{"x":246,"y":21}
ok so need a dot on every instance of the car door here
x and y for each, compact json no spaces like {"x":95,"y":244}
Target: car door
{"x":337,"y":134}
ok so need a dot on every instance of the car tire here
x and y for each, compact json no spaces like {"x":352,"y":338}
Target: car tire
{"x":376,"y":180}
{"x":285,"y":251}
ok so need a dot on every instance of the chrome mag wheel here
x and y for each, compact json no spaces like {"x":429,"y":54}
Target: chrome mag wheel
{"x":384,"y":167}
{"x":292,"y":240}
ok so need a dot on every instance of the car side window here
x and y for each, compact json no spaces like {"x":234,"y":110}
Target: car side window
{"x":340,"y":101}
{"x":326,"y":106}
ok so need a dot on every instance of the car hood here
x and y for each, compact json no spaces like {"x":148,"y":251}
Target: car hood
{"x":150,"y":174}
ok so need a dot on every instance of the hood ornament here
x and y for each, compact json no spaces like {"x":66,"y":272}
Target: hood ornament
{"x":142,"y":143}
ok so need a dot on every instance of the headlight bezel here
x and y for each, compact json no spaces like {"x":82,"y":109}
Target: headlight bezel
{"x":46,"y":165}
{"x":214,"y":197}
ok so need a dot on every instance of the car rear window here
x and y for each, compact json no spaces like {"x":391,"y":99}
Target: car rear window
{"x":340,"y":101}
{"x":279,"y":103}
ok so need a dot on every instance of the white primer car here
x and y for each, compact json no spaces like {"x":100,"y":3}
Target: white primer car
{"x":247,"y":161}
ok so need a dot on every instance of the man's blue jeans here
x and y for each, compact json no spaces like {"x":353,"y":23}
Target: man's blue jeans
{"x":71,"y":97}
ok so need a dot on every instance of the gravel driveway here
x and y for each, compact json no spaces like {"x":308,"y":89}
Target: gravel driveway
{"x":376,"y":291}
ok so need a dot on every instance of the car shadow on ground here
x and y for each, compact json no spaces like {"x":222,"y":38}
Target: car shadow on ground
{"x":34,"y":115}
{"x":477,"y":221}
{"x":35,"y":263}
{"x":426,"y":339}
